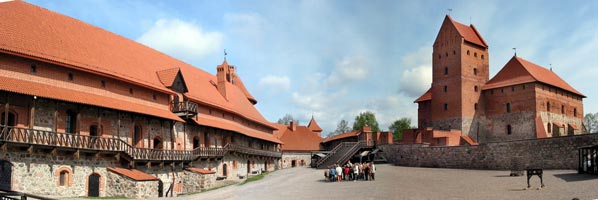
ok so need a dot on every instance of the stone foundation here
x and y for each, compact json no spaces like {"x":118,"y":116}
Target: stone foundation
{"x":289,"y":157}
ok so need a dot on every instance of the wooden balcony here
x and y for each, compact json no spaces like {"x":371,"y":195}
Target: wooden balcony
{"x":184,"y":108}
{"x":251,"y":151}
{"x":29,"y":137}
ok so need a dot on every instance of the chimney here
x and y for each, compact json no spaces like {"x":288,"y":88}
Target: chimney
{"x":293,"y":125}
{"x":221,"y":75}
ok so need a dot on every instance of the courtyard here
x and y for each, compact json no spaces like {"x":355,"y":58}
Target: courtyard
{"x":395,"y":182}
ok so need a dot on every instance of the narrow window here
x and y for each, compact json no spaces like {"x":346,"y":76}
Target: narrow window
{"x":475,"y":88}
{"x":445,"y":88}
{"x":445,"y":70}
{"x":509,"y":129}
{"x":103,"y":84}
{"x":71,"y":121}
{"x":492,"y":92}
{"x":445,"y":106}
{"x":549,"y":127}
{"x":475,"y":71}
{"x":475,"y":106}
{"x":523,"y":86}
{"x":33,"y":68}
{"x":63,"y":178}
{"x":439,"y":57}
{"x":468,"y":52}
{"x":502,"y":90}
{"x":574,"y":112}
{"x":562,"y":109}
{"x":130,"y":90}
{"x":512,"y":88}
{"x":454,"y":52}
{"x":70,"y":77}
{"x":475,"y":54}
{"x":482,"y":56}
{"x":446,"y":54}
{"x":154,"y":96}
{"x":508,"y":107}
{"x":548,"y":106}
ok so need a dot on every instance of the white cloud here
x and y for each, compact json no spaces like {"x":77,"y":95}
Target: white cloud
{"x":350,"y":68}
{"x":417,"y":76}
{"x":181,"y":39}
{"x":275,"y":83}
{"x":246,"y":24}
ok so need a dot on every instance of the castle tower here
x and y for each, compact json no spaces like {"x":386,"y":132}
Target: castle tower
{"x":460,"y":69}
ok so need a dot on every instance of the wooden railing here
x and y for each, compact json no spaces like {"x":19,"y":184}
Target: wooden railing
{"x":251,"y":151}
{"x":55,"y":139}
{"x":184,"y":106}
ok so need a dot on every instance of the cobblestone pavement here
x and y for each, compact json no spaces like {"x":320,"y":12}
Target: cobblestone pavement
{"x":394,"y":182}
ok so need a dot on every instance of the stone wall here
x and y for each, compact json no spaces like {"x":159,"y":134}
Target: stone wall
{"x":119,"y":186}
{"x":195,"y":182}
{"x":288,"y":157}
{"x":547,"y":153}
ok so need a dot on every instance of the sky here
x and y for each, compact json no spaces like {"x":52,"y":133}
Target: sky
{"x":335,"y":59}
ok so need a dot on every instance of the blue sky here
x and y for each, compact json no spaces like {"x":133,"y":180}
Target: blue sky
{"x":335,"y":59}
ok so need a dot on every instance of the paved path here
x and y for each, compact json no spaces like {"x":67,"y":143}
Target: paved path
{"x":394,"y":182}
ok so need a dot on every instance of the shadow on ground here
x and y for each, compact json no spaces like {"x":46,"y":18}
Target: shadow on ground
{"x":573,"y":177}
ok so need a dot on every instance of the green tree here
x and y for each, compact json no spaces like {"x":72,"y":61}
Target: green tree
{"x":286,"y":120}
{"x":591,"y":122}
{"x":366,"y":118}
{"x":342,"y":127}
{"x":398,"y":126}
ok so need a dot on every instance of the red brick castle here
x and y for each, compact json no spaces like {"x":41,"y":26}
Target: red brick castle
{"x":464,"y":106}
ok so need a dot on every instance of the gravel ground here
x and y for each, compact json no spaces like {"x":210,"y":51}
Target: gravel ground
{"x":393,"y":182}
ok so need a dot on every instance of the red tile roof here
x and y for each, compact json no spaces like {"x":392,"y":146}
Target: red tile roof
{"x":302,"y":139}
{"x":281,"y":128}
{"x":469,"y":33}
{"x":313,"y":125}
{"x":133,"y":174}
{"x":167,"y":76}
{"x":200,"y":170}
{"x":425,"y":97}
{"x":216,"y":122}
{"x":342,"y":136}
{"x":540,"y":131}
{"x":47,"y":36}
{"x":519,"y":70}
{"x":66,"y":94}
{"x":239,"y":83}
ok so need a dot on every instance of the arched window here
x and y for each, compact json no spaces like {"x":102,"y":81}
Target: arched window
{"x":93,"y":130}
{"x":475,"y":71}
{"x":71,"y":121}
{"x":468,"y":52}
{"x":445,"y":106}
{"x":574,"y":112}
{"x":445,"y":70}
{"x":509,"y":129}
{"x":475,"y":88}
{"x":475,"y":54}
{"x":482,"y":56}
{"x":508,"y":107}
{"x":562,"y":109}
{"x":445,"y":88}
{"x":64,"y":176}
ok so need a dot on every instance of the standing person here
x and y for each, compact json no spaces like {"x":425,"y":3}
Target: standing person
{"x":339,"y":171}
{"x":361,"y":168}
{"x":332,"y":173}
{"x":366,"y":171}
{"x":373,"y":171}
{"x":327,"y":174}
{"x":346,"y":172}
{"x":355,"y":171}
{"x":350,"y":171}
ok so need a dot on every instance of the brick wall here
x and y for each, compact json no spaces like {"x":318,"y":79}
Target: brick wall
{"x":547,"y":153}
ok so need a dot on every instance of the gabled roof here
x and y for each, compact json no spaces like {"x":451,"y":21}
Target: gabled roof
{"x":427,"y":96}
{"x":519,"y":70}
{"x":341,"y":136}
{"x":216,"y":122}
{"x":469,"y":33}
{"x":313,"y":125}
{"x":281,"y":129}
{"x":133,"y":174}
{"x":302,"y":139}
{"x":239,"y":83}
{"x":33,"y":32}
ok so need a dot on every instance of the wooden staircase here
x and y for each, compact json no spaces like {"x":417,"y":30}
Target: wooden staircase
{"x":340,"y":154}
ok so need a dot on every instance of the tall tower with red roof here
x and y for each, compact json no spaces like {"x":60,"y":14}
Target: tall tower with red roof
{"x":460,"y":69}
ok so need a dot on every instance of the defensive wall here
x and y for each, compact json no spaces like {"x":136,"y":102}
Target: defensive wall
{"x":548,"y":153}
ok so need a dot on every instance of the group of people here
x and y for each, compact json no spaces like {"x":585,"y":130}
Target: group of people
{"x":350,"y":172}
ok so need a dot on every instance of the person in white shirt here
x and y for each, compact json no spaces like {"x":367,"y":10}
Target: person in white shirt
{"x":339,"y":172}
{"x":355,"y":172}
{"x":373,"y":171}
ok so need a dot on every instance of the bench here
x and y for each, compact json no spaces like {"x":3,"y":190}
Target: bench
{"x":532,"y":172}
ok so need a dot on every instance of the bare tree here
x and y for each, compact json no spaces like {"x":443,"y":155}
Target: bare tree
{"x":286,"y":120}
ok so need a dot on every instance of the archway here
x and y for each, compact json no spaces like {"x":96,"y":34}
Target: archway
{"x":5,"y":175}
{"x":158,"y":144}
{"x":93,"y":188}
{"x":248,"y":166}
{"x":11,"y":119}
{"x":137,"y":137}
{"x":160,"y":188}
{"x":224,"y":170}
{"x":195,"y":142}
{"x":266,"y":165}
{"x":293,"y":163}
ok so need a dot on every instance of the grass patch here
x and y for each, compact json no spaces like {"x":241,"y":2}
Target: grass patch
{"x":254,"y":178}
